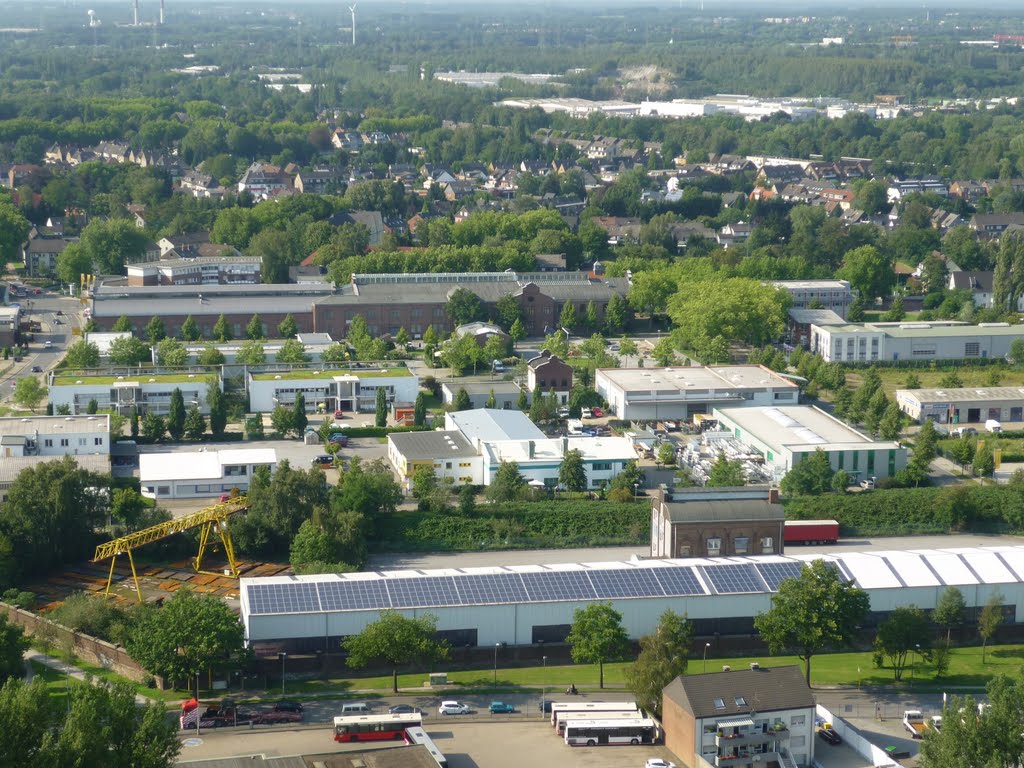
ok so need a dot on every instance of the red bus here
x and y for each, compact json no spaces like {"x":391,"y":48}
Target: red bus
{"x":375,"y":727}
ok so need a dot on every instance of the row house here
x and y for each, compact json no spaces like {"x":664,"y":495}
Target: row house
{"x":900,"y":188}
{"x":263,"y":179}
{"x":320,"y":181}
{"x":200,"y":185}
{"x":992,"y":225}
{"x":39,"y":254}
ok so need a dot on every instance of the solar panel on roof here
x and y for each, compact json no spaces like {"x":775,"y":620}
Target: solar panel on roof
{"x":558,"y":585}
{"x":491,"y":588}
{"x":422,"y":592}
{"x":625,"y":582}
{"x":775,"y":573}
{"x":353,"y":595}
{"x":733,"y":578}
{"x":295,"y":597}
{"x":678,"y":580}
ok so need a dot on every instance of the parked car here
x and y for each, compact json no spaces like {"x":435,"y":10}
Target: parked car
{"x":323,"y":460}
{"x":48,"y":344}
{"x":453,"y":708}
{"x":405,"y":709}
{"x":586,"y":413}
{"x":288,"y":706}
{"x":339,"y":414}
{"x":498,"y":366}
{"x":597,"y":412}
{"x":829,"y":736}
{"x":657,"y":762}
{"x":276,"y":717}
{"x":500,"y":707}
{"x":36,"y":369}
{"x":563,"y":413}
{"x":544,"y":705}
{"x":338,"y":438}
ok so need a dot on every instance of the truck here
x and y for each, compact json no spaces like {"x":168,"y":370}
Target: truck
{"x":811,"y":532}
{"x":934,"y":723}
{"x":914,"y":722}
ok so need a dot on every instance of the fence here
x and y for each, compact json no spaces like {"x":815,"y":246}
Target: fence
{"x":873,"y":754}
{"x":90,"y":649}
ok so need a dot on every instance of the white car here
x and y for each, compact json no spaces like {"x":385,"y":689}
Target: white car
{"x":586,"y":413}
{"x":453,"y":708}
{"x":657,"y":762}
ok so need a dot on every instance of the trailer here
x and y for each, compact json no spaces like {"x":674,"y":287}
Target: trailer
{"x":811,"y":532}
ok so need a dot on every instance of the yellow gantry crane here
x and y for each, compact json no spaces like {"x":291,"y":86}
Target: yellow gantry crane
{"x":208,"y":520}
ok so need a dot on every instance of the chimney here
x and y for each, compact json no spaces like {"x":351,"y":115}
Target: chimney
{"x":135,"y":13}
{"x":773,"y":495}
{"x":565,"y":445}
{"x":532,"y":448}
{"x":161,"y":13}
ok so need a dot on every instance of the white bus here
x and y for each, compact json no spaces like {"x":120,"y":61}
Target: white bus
{"x":375,"y":727}
{"x":419,"y":736}
{"x":590,"y":706}
{"x":565,"y":717}
{"x":604,"y":733}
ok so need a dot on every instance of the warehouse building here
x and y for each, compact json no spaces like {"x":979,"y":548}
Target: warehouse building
{"x":654,"y":394}
{"x":55,"y":436}
{"x":785,"y":436}
{"x":744,"y":717}
{"x":12,"y":466}
{"x":865,"y":342}
{"x":474,"y":443}
{"x":122,"y":392}
{"x":835,"y":295}
{"x":201,"y":473}
{"x":963,"y":405}
{"x":345,"y":389}
{"x":506,"y":393}
{"x":530,"y":604}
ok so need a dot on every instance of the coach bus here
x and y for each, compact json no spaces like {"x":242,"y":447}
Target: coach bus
{"x":565,"y":717}
{"x":589,"y":706}
{"x":374,"y":727}
{"x":603,"y":733}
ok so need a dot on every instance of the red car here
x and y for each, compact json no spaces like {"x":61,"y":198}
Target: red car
{"x":339,"y":414}
{"x":597,"y":413}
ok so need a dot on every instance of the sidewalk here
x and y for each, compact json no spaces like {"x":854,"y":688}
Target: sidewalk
{"x":66,"y":669}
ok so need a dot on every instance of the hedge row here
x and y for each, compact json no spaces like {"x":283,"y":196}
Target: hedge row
{"x":549,"y":524}
{"x":380,"y":431}
{"x":908,"y":511}
{"x":954,"y":364}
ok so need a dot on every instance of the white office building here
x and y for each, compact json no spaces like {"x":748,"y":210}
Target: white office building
{"x":785,"y":436}
{"x":653,"y":394}
{"x":348,"y":389}
{"x":201,"y":473}
{"x":122,"y":392}
{"x":866,"y":342}
{"x":55,"y":436}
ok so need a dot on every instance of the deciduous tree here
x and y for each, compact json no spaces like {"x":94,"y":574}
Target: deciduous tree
{"x":597,"y":636}
{"x":905,"y":630}
{"x":176,"y":415}
{"x":396,"y":641}
{"x":572,"y":475}
{"x":663,"y":658}
{"x":29,"y":392}
{"x":82,"y":354}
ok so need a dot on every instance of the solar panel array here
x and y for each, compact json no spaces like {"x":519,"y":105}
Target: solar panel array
{"x":731,"y":579}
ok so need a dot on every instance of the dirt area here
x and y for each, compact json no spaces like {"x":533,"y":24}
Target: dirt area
{"x":649,"y":79}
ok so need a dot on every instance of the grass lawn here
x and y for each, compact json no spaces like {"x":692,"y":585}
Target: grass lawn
{"x":845,"y":669}
{"x":972,"y":376}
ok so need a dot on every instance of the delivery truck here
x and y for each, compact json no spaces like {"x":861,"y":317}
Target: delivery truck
{"x":811,"y":532}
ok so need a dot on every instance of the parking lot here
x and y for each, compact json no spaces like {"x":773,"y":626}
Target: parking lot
{"x":466,"y":745}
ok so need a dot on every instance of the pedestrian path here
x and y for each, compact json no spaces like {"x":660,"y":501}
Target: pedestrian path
{"x":67,"y":669}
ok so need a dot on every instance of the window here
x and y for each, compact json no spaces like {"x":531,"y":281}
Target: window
{"x":163,"y":490}
{"x":447,"y":465}
{"x":601,"y":466}
{"x":740,"y":701}
{"x":64,"y":442}
{"x":714,"y":545}
{"x":97,"y":441}
{"x":48,"y":442}
{"x":742,"y":545}
{"x":972,"y":349}
{"x":798,"y":720}
{"x":719,"y":703}
{"x":81,"y":441}
{"x":463,"y":464}
{"x":767,"y":545}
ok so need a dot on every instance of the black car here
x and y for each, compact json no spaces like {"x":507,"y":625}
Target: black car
{"x":829,"y":736}
{"x":288,"y":706}
{"x":36,"y":369}
{"x":323,"y":459}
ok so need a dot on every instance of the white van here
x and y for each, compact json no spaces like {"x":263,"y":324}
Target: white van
{"x":993,"y":426}
{"x":355,"y":708}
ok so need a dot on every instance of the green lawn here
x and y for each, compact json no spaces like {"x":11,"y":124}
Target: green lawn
{"x":972,"y":376}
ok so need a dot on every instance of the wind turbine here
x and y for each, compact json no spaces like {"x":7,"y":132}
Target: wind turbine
{"x":352,"y":10}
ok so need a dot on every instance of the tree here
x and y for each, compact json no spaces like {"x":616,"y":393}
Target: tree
{"x":962,"y":452}
{"x":396,"y":641}
{"x":507,"y":311}
{"x":892,"y":422}
{"x":812,"y":612}
{"x":292,"y":351}
{"x":597,"y":636}
{"x":662,"y":659}
{"x":251,"y":352}
{"x":331,"y":541}
{"x":568,"y":319}
{"x":82,"y":354}
{"x":133,"y":418}
{"x":402,"y":339}
{"x":101,"y":725}
{"x":591,"y":315}
{"x":896,"y":312}
{"x":462,"y":401}
{"x":153,"y":427}
{"x":523,"y":401}
{"x":155,"y":329}
{"x":518,"y":331}
{"x":460,"y":353}
{"x":508,"y":483}
{"x":287,"y":328}
{"x":13,"y":645}
{"x":989,"y":619}
{"x":491,"y":401}
{"x":726,"y":474}
{"x":299,"y":418}
{"x":195,"y":424}
{"x":905,"y":630}
{"x":1017,"y":351}
{"x":171,"y":353}
{"x":335,"y":353}
{"x":278,"y":505}
{"x":949,"y":611}
{"x":664,"y":352}
{"x":176,"y":415}
{"x":738,"y":310}
{"x":810,"y":477}
{"x":572,"y":475}
{"x":869,"y":271}
{"x":841,"y":481}
{"x":984,"y":461}
{"x":926,"y":445}
{"x":221,"y":330}
{"x":419,"y":414}
{"x":190,"y":330}
{"x":189,"y":635}
{"x":92,"y":406}
{"x":128,"y":350}
{"x":211,"y":356}
{"x":254,"y":330}
{"x":667,"y":453}
{"x":970,"y":738}
{"x":616,"y":315}
{"x":381,"y":408}
{"x":282,"y":419}
{"x":122,"y":325}
{"x":29,"y":392}
{"x":109,"y":244}
{"x":463,"y":307}
{"x":218,"y":407}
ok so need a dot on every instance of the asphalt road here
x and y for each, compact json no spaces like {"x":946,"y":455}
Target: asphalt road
{"x":55,"y":329}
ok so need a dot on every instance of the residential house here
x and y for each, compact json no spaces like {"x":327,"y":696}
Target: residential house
{"x":262,"y":179}
{"x":184,"y":244}
{"x":549,"y":262}
{"x":900,"y":188}
{"x":980,"y":284}
{"x":968,"y":191}
{"x":40,"y":254}
{"x":549,"y":373}
{"x":372,"y":220}
{"x":200,"y":185}
{"x":320,"y":181}
{"x":992,"y":225}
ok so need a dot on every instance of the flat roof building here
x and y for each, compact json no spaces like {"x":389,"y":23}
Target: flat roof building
{"x":867,"y":342}
{"x":12,"y":466}
{"x":55,"y":436}
{"x":201,"y":473}
{"x":122,"y":392}
{"x":786,"y":435}
{"x":963,"y":405}
{"x":506,"y":393}
{"x":830,"y":294}
{"x":345,"y":389}
{"x":653,"y":394}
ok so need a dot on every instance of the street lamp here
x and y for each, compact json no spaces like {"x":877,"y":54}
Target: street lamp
{"x":283,"y":656}
{"x":496,"y":646}
{"x":544,"y":683}
{"x":706,"y":646}
{"x":917,"y":650}
{"x":636,"y":490}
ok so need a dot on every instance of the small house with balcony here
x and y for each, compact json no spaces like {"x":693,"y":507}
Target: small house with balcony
{"x":748,"y":718}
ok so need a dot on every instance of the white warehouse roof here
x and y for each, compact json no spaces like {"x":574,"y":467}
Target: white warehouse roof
{"x":199,"y":465}
{"x":372,"y":591}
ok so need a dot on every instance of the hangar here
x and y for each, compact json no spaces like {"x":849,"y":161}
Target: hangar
{"x":534,"y":604}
